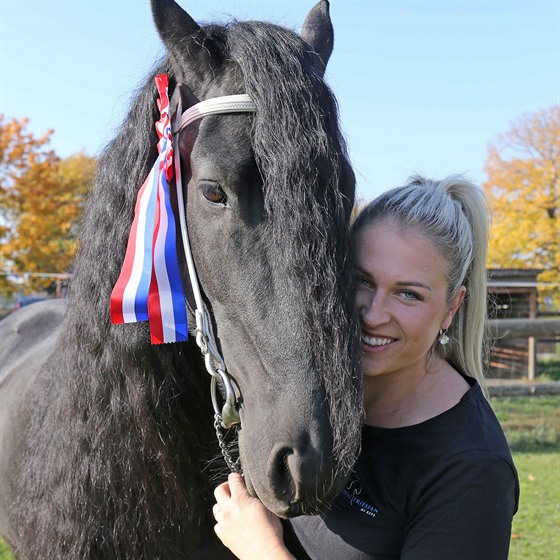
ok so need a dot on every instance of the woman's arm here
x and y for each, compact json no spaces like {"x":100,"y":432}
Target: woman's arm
{"x":245,"y":526}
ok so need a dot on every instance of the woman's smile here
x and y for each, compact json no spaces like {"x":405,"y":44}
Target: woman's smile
{"x":375,"y":343}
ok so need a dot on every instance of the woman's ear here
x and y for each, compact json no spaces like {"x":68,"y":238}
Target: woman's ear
{"x":446,"y":323}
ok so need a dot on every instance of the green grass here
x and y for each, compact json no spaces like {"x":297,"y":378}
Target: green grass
{"x":5,"y":553}
{"x":531,"y":424}
{"x":549,"y":369}
{"x":535,"y":531}
{"x":532,"y":427}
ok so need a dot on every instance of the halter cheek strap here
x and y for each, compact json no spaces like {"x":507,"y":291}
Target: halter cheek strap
{"x":228,"y":415}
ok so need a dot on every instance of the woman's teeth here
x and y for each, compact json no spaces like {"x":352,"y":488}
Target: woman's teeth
{"x":374,"y":341}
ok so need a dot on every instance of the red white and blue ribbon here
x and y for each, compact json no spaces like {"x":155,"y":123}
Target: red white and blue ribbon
{"x":149,"y":287}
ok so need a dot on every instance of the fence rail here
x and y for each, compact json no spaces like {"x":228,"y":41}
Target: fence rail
{"x":524,"y":328}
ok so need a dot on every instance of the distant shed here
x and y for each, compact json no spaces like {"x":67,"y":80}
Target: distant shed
{"x":512,"y":294}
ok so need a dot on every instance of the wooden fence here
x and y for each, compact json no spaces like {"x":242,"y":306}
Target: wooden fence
{"x":514,"y":348}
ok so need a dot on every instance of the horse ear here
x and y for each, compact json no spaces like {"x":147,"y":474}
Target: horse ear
{"x":172,"y":21}
{"x":317,"y":30}
{"x":173,"y":25}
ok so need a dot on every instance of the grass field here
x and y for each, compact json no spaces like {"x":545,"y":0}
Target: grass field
{"x":532,"y":426}
{"x":5,"y":553}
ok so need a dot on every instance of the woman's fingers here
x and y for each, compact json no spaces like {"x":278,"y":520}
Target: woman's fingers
{"x":222,"y":492}
{"x":244,"y":525}
{"x":236,"y":486}
{"x":231,"y":491}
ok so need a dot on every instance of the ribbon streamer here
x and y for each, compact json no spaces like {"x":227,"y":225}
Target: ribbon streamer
{"x":149,"y":287}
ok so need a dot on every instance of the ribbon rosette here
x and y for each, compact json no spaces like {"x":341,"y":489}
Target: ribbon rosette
{"x":149,"y":287}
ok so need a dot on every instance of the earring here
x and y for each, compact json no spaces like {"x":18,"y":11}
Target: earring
{"x":443,"y":338}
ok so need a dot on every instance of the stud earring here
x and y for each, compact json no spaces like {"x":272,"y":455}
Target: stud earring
{"x":443,"y":338}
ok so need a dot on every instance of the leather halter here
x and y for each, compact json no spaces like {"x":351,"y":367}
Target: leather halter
{"x":228,"y":416}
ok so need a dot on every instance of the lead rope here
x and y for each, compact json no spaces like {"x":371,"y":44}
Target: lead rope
{"x":228,"y":416}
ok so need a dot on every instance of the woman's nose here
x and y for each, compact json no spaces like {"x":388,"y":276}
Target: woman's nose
{"x":373,"y":311}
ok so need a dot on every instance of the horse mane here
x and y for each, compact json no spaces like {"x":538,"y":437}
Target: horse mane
{"x":139,"y":416}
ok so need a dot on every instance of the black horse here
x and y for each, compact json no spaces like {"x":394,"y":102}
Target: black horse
{"x":106,"y":439}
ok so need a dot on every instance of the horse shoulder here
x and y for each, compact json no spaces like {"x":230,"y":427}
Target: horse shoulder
{"x":28,"y":338}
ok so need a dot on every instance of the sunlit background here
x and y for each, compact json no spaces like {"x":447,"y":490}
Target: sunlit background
{"x":422,"y":86}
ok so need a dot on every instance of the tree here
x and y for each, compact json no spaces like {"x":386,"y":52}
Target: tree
{"x":523,"y":168}
{"x":42,"y":199}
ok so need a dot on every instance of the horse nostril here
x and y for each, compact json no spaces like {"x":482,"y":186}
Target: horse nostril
{"x":279,"y":474}
{"x":294,"y":474}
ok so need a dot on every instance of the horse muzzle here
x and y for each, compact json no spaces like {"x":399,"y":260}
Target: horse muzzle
{"x":299,"y":478}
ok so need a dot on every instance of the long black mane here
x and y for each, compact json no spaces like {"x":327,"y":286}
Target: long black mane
{"x":129,"y":405}
{"x":291,"y":136}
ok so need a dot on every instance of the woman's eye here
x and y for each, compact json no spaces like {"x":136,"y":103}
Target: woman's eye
{"x":361,"y":281}
{"x":213,"y":193}
{"x":411,"y":296}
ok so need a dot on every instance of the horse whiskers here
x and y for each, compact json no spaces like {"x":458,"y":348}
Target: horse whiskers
{"x":217,"y":469}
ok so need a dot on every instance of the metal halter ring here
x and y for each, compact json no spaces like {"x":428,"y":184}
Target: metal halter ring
{"x":228,"y":414}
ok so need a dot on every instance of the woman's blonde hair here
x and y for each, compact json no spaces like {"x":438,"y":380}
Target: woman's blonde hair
{"x":453,"y":213}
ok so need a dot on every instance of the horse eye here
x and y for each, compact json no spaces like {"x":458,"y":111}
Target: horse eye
{"x":212,"y":192}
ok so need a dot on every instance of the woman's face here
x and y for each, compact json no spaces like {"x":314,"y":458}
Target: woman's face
{"x":401,"y":298}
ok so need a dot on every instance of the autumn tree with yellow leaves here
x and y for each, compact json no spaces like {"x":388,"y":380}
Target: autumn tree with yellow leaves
{"x":42,"y":198}
{"x":523,"y":169}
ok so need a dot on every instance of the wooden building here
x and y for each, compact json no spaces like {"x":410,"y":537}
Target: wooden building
{"x":512,"y":294}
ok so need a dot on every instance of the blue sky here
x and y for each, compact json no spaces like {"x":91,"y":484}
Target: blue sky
{"x":422,"y":86}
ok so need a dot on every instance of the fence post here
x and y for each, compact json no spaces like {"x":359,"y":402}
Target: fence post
{"x":531,"y":359}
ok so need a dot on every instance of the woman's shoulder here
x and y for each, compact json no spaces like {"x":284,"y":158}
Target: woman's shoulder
{"x":463,"y":443}
{"x":467,"y":426}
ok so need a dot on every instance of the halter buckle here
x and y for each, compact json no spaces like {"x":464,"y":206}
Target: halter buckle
{"x":229,"y":415}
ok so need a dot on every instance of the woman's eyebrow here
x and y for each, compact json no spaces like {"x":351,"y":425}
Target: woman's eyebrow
{"x":362,"y":271}
{"x":413,"y":283}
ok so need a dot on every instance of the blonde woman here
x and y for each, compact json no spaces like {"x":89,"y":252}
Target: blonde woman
{"x":435,"y":479}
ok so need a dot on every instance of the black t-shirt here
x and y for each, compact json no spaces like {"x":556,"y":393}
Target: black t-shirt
{"x":444,"y":489}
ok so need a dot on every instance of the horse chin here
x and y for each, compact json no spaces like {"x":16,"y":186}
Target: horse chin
{"x":277,"y":507}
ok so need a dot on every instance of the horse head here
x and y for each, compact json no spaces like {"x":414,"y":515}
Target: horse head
{"x":267,"y":199}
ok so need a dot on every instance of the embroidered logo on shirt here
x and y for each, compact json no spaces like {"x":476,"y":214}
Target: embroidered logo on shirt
{"x":351,"y":493}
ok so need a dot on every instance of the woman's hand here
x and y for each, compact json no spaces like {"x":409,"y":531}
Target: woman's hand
{"x":245,"y":526}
